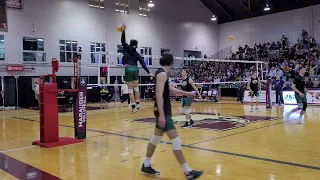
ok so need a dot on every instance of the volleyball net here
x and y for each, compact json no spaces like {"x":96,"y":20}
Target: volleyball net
{"x":201,"y":69}
{"x":214,"y":78}
{"x":208,"y":91}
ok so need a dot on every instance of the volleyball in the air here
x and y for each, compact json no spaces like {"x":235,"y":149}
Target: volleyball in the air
{"x":230,"y":38}
{"x":121,"y":28}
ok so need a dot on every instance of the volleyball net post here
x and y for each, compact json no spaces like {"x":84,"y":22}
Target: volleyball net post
{"x":49,"y":119}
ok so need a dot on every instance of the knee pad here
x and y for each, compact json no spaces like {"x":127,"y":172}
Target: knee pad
{"x":187,"y":111}
{"x":176,"y":144}
{"x":155,"y":140}
{"x":305,"y":105}
{"x":136,"y":89}
{"x":130,"y":91}
{"x":300,"y":106}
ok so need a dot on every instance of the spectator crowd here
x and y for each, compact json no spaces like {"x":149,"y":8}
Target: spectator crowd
{"x":282,"y":58}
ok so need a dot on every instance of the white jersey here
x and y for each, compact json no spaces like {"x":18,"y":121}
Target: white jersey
{"x":124,"y":89}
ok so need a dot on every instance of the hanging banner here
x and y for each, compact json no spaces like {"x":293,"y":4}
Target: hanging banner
{"x":80,"y":109}
{"x":289,"y":98}
{"x":14,"y":4}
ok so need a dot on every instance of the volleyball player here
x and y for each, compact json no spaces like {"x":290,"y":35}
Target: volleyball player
{"x":130,"y":60}
{"x":164,"y":122}
{"x":254,"y":85}
{"x":188,"y":86}
{"x":300,"y":93}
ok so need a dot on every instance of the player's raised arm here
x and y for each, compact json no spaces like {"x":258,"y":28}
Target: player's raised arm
{"x":123,"y":41}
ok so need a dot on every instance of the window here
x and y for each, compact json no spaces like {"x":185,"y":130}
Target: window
{"x":144,"y":10}
{"x":146,"y":51}
{"x":33,"y":50}
{"x":96,"y":48}
{"x":68,"y":50}
{"x":2,"y":48}
{"x":96,"y":4}
{"x":122,"y":6}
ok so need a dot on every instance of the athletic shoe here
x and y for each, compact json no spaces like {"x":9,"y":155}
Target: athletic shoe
{"x":134,"y":110}
{"x":191,"y":123}
{"x":251,"y":110}
{"x":138,"y":106}
{"x":286,"y":116}
{"x":186,"y":125}
{"x":177,"y":122}
{"x":300,"y":120}
{"x":194,"y":174}
{"x":257,"y":109}
{"x":149,"y":170}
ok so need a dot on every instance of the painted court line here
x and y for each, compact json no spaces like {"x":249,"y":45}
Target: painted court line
{"x":105,"y":133}
{"x":236,"y":133}
{"x":16,"y":149}
{"x":203,"y":149}
{"x":21,"y":170}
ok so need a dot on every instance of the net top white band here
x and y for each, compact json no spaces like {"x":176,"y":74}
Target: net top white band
{"x":208,"y":83}
{"x":181,"y":58}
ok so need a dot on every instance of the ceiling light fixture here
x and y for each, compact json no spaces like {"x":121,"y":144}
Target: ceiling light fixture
{"x":150,"y":4}
{"x":214,"y":18}
{"x":267,"y":8}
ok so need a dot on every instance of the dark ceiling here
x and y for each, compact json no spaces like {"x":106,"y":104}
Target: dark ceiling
{"x":233,"y":10}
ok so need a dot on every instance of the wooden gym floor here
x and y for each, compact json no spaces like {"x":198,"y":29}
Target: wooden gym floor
{"x":229,"y":143}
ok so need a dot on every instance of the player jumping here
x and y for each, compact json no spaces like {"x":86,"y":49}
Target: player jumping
{"x":130,"y":59}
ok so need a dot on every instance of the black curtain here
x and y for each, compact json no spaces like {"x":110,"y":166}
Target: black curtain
{"x":93,"y":80}
{"x":60,"y":81}
{"x":93,"y":95}
{"x":112,"y":79}
{"x":119,"y":81}
{"x":26,"y":95}
{"x":10,"y":94}
{"x":1,"y":98}
{"x":144,"y":80}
